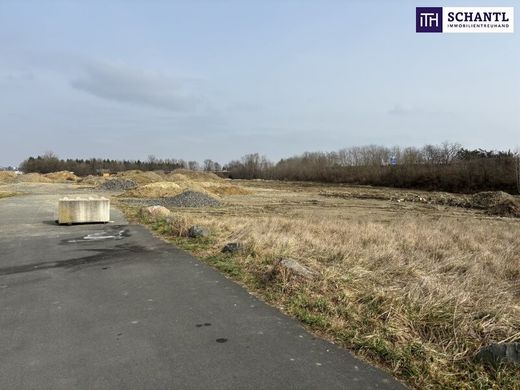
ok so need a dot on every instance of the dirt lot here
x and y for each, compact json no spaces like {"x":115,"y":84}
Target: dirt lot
{"x":404,"y":278}
{"x":416,"y":282}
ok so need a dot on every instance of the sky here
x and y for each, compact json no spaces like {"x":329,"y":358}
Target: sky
{"x":220,"y":79}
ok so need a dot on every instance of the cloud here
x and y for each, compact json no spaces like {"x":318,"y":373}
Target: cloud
{"x":16,"y":76}
{"x":148,"y":88}
{"x":400,"y":109}
{"x":407,"y":110}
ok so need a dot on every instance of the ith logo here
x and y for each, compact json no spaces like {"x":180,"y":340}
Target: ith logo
{"x":428,"y":19}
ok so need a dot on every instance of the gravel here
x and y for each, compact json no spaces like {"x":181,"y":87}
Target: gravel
{"x":118,"y":185}
{"x":185,"y":199}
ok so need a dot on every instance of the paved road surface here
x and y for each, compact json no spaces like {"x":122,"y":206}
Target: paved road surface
{"x":129,"y":311}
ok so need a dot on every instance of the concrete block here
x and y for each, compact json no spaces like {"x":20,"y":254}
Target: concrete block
{"x":83,"y":210}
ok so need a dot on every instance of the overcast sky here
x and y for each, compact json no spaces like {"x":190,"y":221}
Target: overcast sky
{"x":219,"y":79}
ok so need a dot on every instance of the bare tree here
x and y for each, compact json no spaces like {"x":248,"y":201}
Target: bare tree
{"x":517,"y":170}
{"x":193,"y":165}
{"x":209,"y":165}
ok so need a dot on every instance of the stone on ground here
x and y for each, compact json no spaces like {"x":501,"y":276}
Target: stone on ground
{"x":197,"y":232}
{"x":294,"y":267}
{"x":155,"y":212}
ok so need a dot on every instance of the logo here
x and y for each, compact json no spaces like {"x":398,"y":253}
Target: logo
{"x":428,"y":19}
{"x":464,"y":19}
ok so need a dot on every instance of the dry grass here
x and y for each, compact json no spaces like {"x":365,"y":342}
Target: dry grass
{"x":7,"y":177}
{"x":7,"y":194}
{"x":416,"y":287}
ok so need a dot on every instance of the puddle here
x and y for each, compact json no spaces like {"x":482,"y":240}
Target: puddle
{"x":221,"y":340}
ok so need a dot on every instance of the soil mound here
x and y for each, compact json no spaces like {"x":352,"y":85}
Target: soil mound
{"x":506,"y":208}
{"x":140,"y":177}
{"x":490,"y":199}
{"x":93,"y":180}
{"x":186,"y":174}
{"x":33,"y":178}
{"x":62,"y":177}
{"x":155,"y":190}
{"x":224,"y":188}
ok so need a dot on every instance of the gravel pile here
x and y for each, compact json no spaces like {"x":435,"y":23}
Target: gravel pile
{"x":185,"y":199}
{"x":118,"y":185}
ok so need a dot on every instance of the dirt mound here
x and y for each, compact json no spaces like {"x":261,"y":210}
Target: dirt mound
{"x":7,"y":177}
{"x":186,"y":174}
{"x":506,"y":208}
{"x":140,"y":177}
{"x":205,"y":181}
{"x":155,"y":190}
{"x":92,"y":180}
{"x":224,"y":188}
{"x":181,"y":180}
{"x":490,"y":199}
{"x":62,"y":177}
{"x":118,"y":184}
{"x":440,"y":198}
{"x":33,"y":178}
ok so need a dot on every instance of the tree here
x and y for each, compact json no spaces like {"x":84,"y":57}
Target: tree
{"x":209,"y":165}
{"x":193,"y":165}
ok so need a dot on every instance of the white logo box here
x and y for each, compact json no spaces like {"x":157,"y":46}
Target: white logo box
{"x":476,"y":19}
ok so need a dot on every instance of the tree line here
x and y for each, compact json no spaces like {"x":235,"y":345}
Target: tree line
{"x":444,"y":167}
{"x":50,"y":162}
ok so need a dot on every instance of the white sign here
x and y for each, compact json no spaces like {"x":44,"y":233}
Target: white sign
{"x":478,"y":19}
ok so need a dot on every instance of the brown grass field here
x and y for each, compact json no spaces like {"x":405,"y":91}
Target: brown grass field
{"x":7,"y":194}
{"x":414,"y":287}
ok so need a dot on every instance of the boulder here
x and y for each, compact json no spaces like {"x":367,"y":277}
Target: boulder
{"x":500,"y":353}
{"x":198,"y":231}
{"x":232,"y":247}
{"x":155,"y":212}
{"x":294,"y":267}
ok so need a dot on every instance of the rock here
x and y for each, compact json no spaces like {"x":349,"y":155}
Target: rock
{"x":198,"y":231}
{"x":496,"y":354}
{"x":232,"y":247}
{"x":155,"y":212}
{"x":296,"y":268}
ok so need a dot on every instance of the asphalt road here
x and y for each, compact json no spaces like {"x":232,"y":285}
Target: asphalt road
{"x":112,"y":307}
